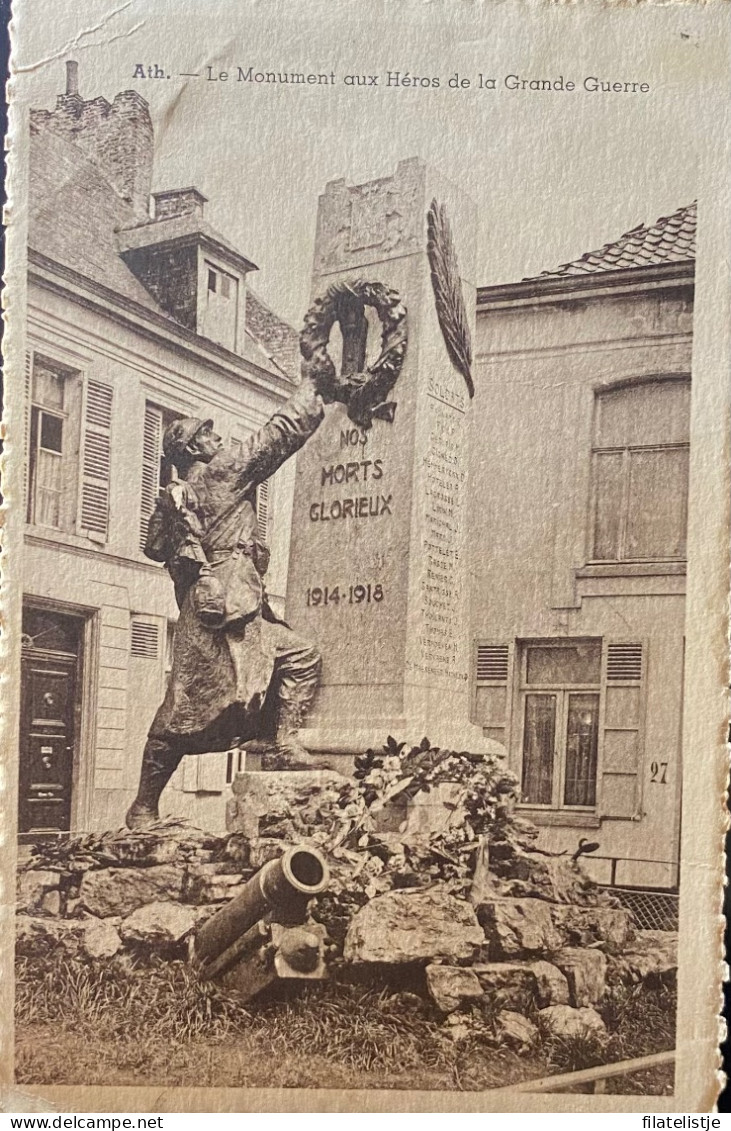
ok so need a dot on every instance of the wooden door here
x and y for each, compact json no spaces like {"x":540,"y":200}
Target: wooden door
{"x":48,"y":735}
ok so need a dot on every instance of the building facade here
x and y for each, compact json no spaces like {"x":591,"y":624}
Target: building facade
{"x":138,"y":312}
{"x":580,"y":463}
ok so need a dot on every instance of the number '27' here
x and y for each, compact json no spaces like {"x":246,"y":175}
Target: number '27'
{"x":659,"y":772}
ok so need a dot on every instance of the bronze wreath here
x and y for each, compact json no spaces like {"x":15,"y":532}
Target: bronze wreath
{"x":363,"y":393}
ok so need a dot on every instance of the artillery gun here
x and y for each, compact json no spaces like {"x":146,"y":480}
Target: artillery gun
{"x":262,"y":936}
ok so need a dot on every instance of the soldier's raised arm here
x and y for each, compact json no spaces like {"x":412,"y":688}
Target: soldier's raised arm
{"x":284,"y":434}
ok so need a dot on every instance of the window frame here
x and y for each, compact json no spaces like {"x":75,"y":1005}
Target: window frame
{"x":626,"y":451}
{"x":562,"y":691}
{"x":225,"y":297}
{"x":165,"y":469}
{"x":71,"y":417}
{"x":263,"y":499}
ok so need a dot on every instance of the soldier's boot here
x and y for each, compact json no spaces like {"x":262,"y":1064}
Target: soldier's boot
{"x":288,"y":752}
{"x":159,"y":763}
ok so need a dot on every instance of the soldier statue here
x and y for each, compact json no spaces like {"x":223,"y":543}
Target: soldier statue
{"x":239,"y":671}
{"x":235,"y":663}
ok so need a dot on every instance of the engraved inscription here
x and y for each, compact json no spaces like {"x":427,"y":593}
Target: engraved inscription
{"x":441,"y":592}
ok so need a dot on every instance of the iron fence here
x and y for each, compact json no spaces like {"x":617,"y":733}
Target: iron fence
{"x":653,"y":910}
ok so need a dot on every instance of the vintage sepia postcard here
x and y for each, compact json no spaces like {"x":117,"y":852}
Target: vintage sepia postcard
{"x":365,"y":556}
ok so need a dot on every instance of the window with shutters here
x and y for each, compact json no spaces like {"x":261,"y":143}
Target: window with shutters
{"x":156,"y":470}
{"x":493,"y":667}
{"x":560,"y":689}
{"x":578,"y":728}
{"x":640,"y":472}
{"x":263,"y":500}
{"x":53,"y":436}
{"x":96,"y":461}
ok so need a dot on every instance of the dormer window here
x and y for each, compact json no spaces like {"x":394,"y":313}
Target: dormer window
{"x":221,"y":313}
{"x":220,"y":283}
{"x":189,"y":268}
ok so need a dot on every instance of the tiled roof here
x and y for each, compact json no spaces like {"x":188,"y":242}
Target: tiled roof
{"x":175,"y":228}
{"x":274,"y":334}
{"x":74,"y":218}
{"x":74,"y":214}
{"x":671,"y":239}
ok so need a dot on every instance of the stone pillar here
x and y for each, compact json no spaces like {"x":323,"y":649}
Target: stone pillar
{"x":378,"y":569}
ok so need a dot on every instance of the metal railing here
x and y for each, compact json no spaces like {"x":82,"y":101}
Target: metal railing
{"x":597,"y":1076}
{"x":652,"y":910}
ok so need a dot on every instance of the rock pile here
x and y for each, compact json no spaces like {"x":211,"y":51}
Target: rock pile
{"x":532,"y":964}
{"x":143,"y":893}
{"x":524,"y":939}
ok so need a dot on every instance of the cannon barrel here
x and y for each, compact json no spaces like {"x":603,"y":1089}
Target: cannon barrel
{"x":282,"y":887}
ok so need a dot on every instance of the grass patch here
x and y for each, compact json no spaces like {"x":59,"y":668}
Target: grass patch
{"x":112,"y":1024}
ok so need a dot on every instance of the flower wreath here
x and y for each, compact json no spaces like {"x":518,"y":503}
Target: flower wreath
{"x":364,"y":393}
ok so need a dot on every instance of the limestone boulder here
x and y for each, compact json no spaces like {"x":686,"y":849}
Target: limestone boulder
{"x":417,"y":926}
{"x":452,"y":986}
{"x":37,"y":937}
{"x":651,"y":956}
{"x":34,"y":886}
{"x":610,"y":927}
{"x":571,"y":1024}
{"x":533,"y":875}
{"x":507,"y":985}
{"x":100,"y":939}
{"x":585,"y":970}
{"x":51,"y":903}
{"x":263,"y":849}
{"x":518,"y":927}
{"x":169,"y":842}
{"x":158,"y":925}
{"x":211,"y":883}
{"x":284,"y":805}
{"x":521,"y":985}
{"x":515,"y":1030}
{"x":552,"y":987}
{"x":119,"y":891}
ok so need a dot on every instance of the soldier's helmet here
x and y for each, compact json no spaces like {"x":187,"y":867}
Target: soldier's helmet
{"x":179,"y":434}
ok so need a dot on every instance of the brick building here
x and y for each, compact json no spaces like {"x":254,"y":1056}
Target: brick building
{"x":136,"y":315}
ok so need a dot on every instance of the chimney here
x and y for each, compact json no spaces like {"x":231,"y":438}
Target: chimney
{"x":72,"y":77}
{"x":118,"y":137}
{"x":179,"y":202}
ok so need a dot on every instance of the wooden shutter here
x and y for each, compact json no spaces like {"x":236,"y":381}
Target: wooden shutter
{"x":623,"y":680}
{"x":205,"y":773}
{"x":262,"y":511}
{"x":151,"y":455}
{"x":96,"y":460}
{"x":26,"y":431}
{"x":145,"y":639}
{"x":493,"y":666}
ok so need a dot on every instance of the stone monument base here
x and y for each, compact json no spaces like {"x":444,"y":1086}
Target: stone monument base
{"x":354,"y":740}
